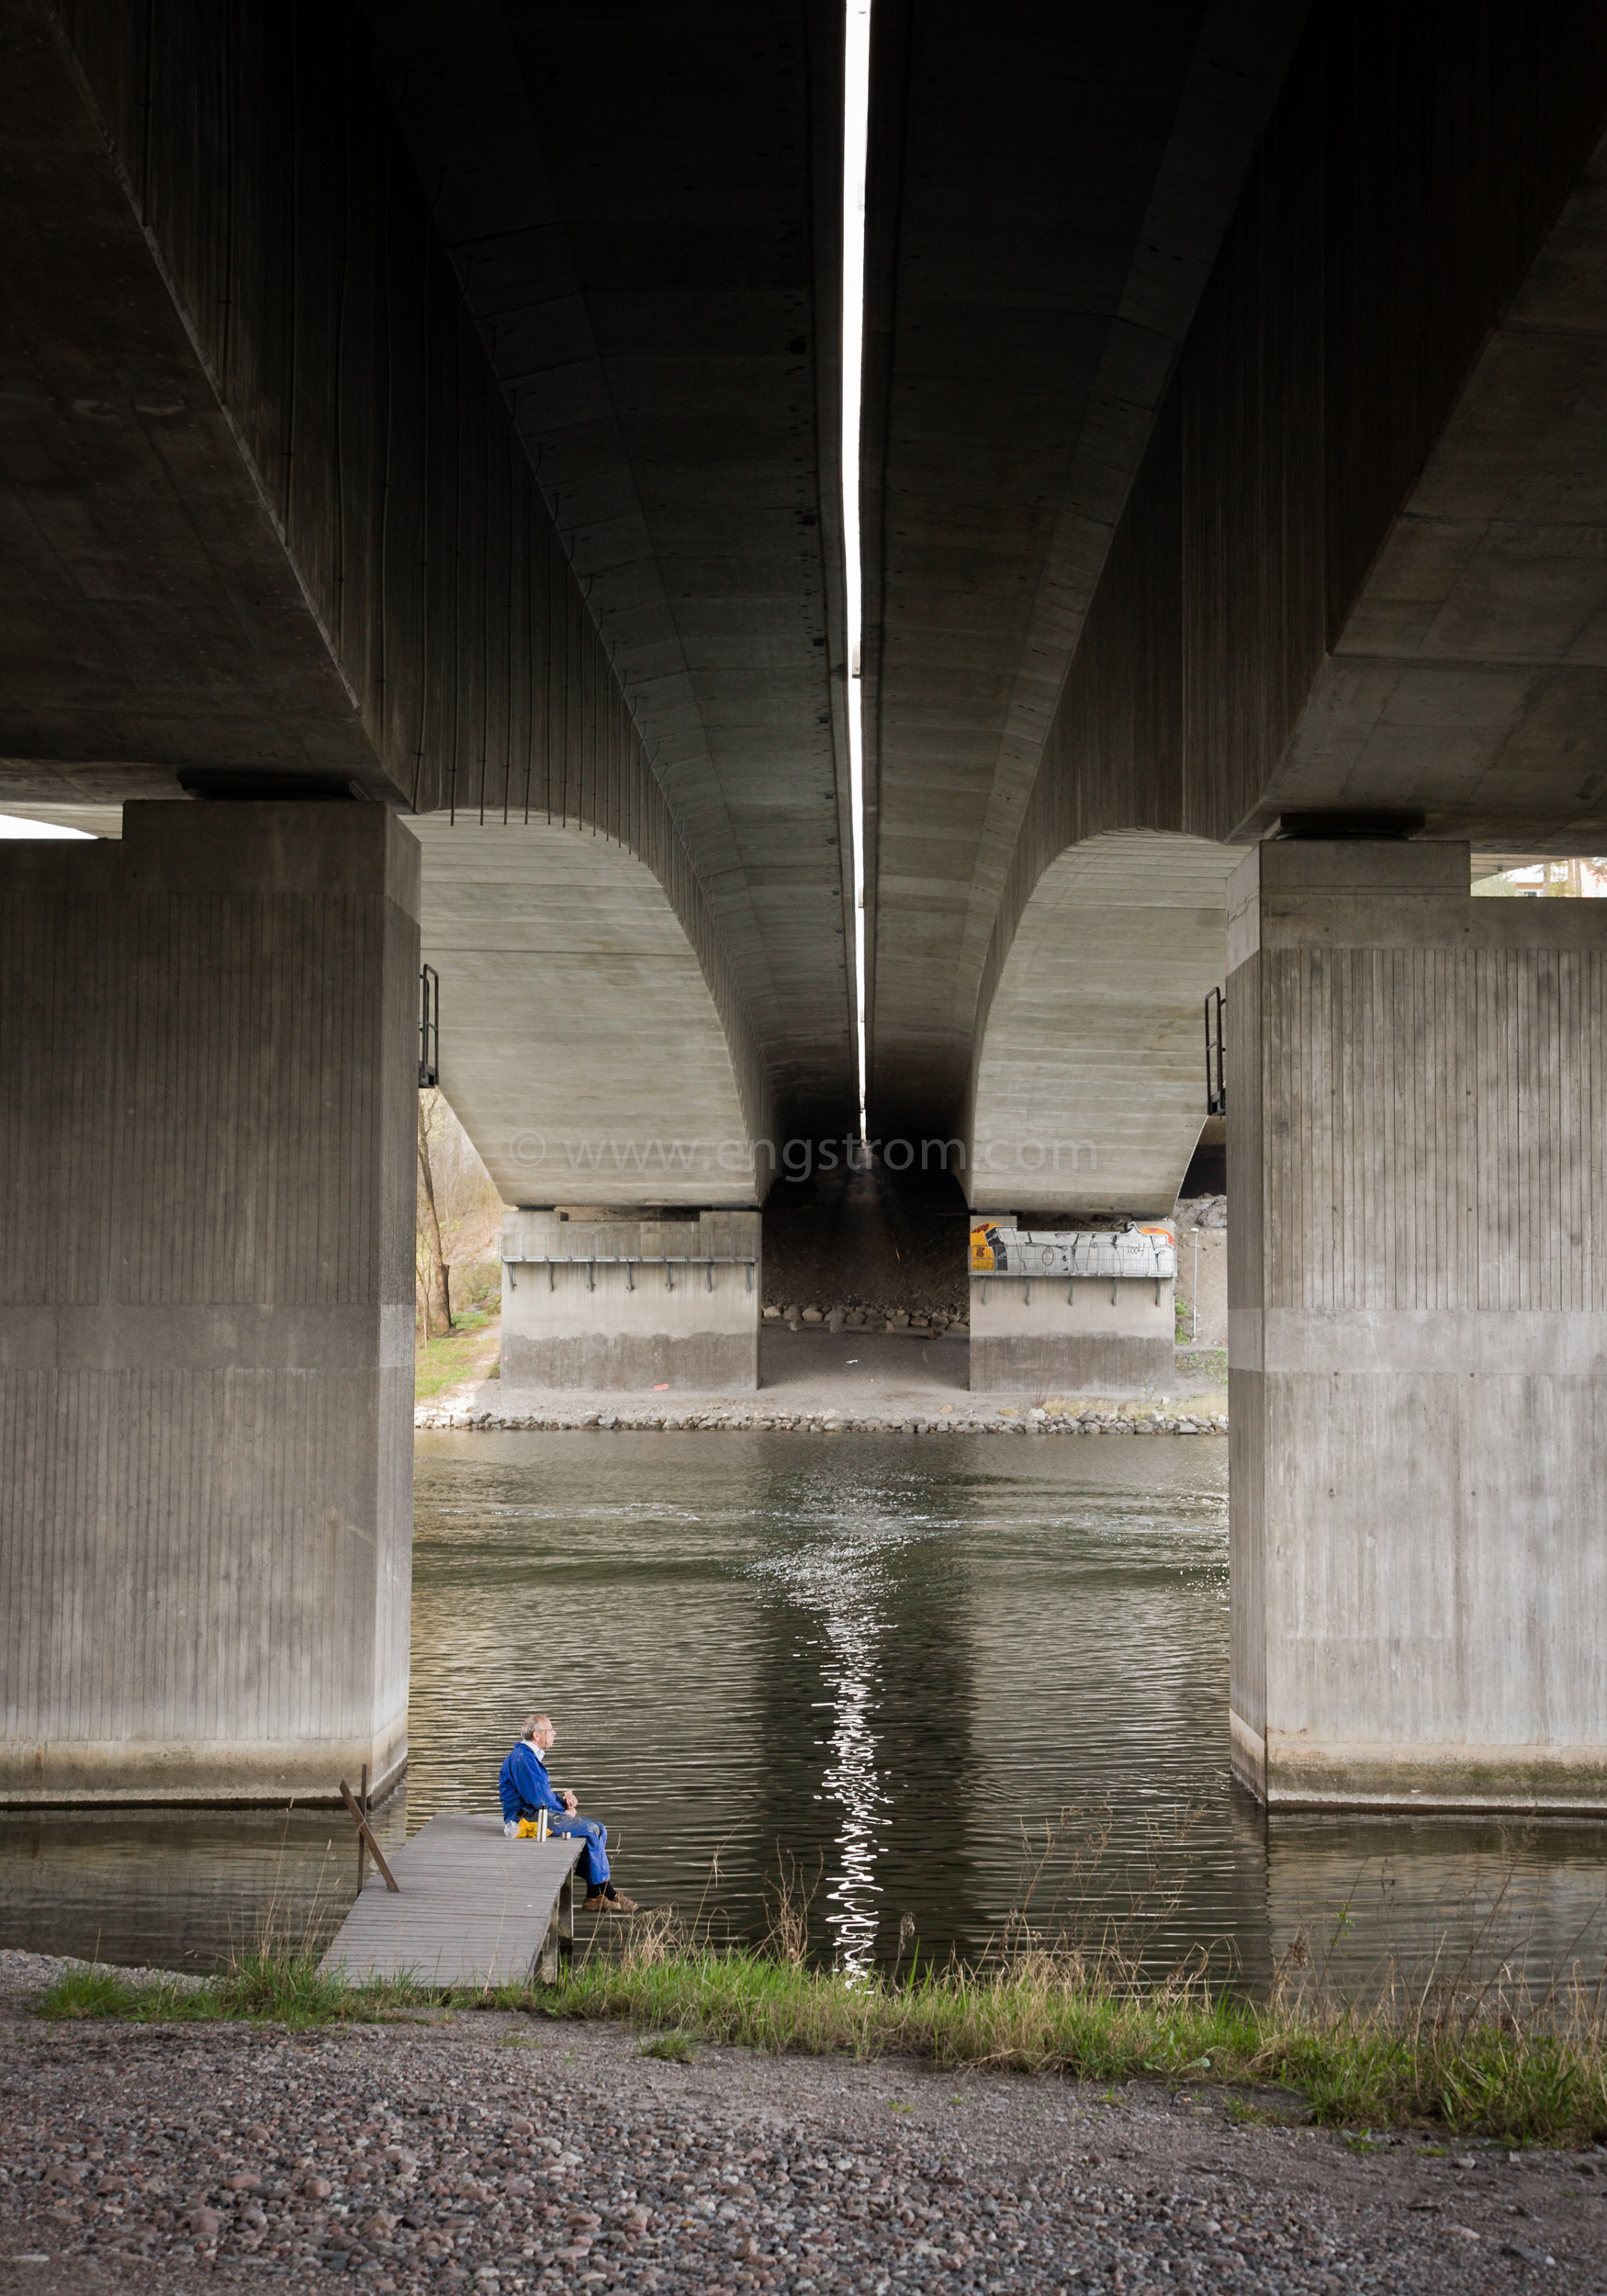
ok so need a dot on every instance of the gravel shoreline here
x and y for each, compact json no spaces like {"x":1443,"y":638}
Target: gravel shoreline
{"x":493,"y":2151}
{"x":1135,"y":1419}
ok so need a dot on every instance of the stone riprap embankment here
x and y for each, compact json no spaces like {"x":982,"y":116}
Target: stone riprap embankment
{"x":1070,"y":1418}
{"x":850,"y":1316}
{"x":500,"y":2153}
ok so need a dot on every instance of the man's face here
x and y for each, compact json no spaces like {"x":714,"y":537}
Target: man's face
{"x":544,"y":1738}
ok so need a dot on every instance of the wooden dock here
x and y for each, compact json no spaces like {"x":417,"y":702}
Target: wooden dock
{"x":471,"y":1908}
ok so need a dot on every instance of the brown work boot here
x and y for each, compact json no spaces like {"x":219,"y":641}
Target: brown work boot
{"x":608,"y":1900}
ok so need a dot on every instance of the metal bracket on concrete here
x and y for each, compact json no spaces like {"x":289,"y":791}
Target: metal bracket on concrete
{"x":640,"y":1259}
{"x":1216,"y":1066}
{"x":429,"y":1028}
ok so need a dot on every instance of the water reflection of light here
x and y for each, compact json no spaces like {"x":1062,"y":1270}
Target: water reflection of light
{"x":841,"y":1578}
{"x":853,"y":1780}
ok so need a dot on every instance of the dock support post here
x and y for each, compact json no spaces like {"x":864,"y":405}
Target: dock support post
{"x":557,"y":1957}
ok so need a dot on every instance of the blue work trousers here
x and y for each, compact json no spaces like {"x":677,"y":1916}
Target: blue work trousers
{"x":593,"y":1866}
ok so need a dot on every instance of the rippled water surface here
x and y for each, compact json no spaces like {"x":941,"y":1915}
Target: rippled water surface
{"x":930,"y":1682}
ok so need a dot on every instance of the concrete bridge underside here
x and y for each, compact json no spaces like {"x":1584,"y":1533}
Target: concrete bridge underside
{"x":581,"y":1047}
{"x":433,"y":413}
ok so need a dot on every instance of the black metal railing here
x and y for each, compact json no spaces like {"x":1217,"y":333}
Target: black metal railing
{"x":1216,"y":1074}
{"x":429,"y":1027}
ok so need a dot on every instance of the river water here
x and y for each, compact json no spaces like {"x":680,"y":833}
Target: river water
{"x":923,"y":1687}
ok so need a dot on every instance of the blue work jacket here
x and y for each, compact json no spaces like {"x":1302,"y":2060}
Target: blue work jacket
{"x":525,"y":1785}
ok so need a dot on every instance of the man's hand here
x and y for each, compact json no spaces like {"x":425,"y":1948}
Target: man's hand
{"x":569,"y":1801}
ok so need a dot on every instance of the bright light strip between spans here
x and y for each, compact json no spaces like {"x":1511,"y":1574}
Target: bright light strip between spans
{"x":856,"y":115}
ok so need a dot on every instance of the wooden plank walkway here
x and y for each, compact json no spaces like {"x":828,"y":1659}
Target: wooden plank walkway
{"x":474,"y":1908}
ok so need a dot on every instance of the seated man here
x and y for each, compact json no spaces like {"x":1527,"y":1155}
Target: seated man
{"x":525,"y":1788}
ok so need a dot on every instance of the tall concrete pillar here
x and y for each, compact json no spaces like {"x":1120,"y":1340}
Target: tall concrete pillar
{"x":206,"y":1304}
{"x":1417,"y":1114}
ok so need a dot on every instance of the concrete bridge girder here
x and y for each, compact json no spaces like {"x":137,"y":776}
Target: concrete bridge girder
{"x":1089,"y":1085}
{"x":582,"y":1046}
{"x":1469,"y":681}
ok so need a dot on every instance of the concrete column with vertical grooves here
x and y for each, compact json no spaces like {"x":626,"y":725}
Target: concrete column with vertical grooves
{"x":206,"y":1304}
{"x":1417,"y":1122}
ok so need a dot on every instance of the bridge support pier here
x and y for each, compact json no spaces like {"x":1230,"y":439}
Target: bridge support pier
{"x":1086,"y":1333}
{"x":206,"y":1304}
{"x":1418,"y":1314}
{"x":609,"y":1301}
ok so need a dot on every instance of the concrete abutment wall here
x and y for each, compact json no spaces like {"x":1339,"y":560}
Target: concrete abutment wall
{"x":206,"y":1304}
{"x":631,"y":1303}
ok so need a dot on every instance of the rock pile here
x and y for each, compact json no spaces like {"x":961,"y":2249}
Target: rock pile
{"x":1201,"y":1415}
{"x":853,"y":1315}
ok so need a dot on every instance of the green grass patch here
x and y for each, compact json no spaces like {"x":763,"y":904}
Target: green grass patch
{"x":266,"y":1987}
{"x":1349,"y":2068}
{"x":1343,"y":2067}
{"x":673,"y":2048}
{"x":469,"y":1351}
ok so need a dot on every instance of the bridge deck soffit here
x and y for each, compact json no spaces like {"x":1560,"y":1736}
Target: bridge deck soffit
{"x":643,"y":217}
{"x":1470,"y":682}
{"x":1042,"y":220}
{"x":154,"y":620}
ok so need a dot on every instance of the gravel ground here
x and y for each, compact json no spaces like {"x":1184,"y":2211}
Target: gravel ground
{"x":493,"y":2151}
{"x":1105,"y":1418}
{"x":822,"y":1382}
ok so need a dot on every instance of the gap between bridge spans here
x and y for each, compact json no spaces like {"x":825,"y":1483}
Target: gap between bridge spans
{"x":856,"y":122}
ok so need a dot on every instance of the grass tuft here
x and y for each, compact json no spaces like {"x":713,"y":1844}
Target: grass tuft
{"x":1340,"y":2067}
{"x":673,"y":2048}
